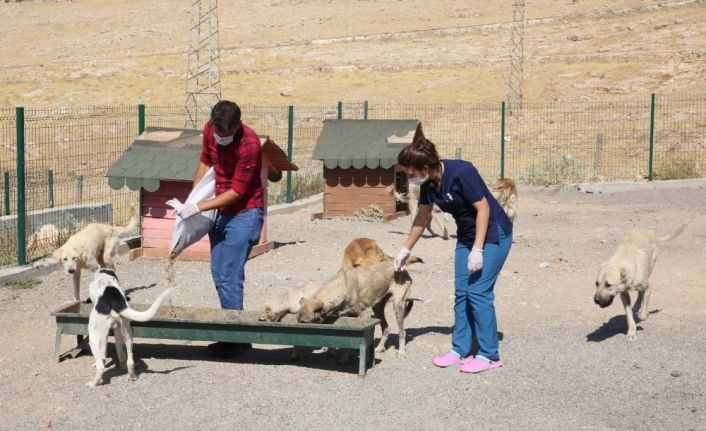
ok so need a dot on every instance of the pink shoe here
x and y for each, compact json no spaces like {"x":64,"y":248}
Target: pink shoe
{"x":446,"y":360}
{"x":474,"y":365}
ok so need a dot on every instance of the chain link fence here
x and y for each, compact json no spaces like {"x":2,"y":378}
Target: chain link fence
{"x":67,"y":151}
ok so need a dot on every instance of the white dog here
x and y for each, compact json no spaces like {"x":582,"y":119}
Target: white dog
{"x":111,"y":311}
{"x":629,"y":269}
{"x":92,"y":247}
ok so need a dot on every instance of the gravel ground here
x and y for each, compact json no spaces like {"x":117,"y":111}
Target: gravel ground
{"x":568,"y":365}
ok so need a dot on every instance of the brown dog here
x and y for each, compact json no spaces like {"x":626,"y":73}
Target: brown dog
{"x":362,"y":252}
{"x":505,"y":192}
{"x":358,"y":289}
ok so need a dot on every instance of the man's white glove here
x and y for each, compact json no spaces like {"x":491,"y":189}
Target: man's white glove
{"x":475,"y":260}
{"x":401,"y":258}
{"x":174,"y":203}
{"x":183,"y":210}
{"x":187,"y":210}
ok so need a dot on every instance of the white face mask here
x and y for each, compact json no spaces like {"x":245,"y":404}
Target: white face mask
{"x":416,"y":181}
{"x":223,"y":140}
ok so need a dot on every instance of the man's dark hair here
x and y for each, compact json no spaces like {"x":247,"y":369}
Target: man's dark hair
{"x":225,"y":115}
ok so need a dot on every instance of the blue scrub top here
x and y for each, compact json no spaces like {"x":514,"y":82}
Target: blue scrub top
{"x":461,"y":186}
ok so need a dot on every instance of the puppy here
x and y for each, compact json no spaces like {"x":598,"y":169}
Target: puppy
{"x":92,"y":247}
{"x":288,"y":301}
{"x":505,"y":192}
{"x":628,"y":270}
{"x":371,"y":288}
{"x":111,"y":311}
{"x":438,"y":219}
{"x":362,"y":252}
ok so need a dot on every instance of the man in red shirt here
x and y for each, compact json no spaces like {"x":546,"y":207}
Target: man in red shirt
{"x":233,"y":150}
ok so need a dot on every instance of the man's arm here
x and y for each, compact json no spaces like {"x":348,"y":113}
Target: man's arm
{"x":224,"y":199}
{"x":200,"y":172}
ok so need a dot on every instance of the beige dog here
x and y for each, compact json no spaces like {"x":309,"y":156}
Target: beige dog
{"x":359,"y":252}
{"x":629,"y":269}
{"x":358,"y":289}
{"x":92,"y":247}
{"x":287,"y":302}
{"x":505,"y":192}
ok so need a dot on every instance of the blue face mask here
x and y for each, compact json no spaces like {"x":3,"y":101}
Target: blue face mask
{"x":223,"y":140}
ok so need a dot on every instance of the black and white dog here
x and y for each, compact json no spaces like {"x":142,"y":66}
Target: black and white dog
{"x":111,"y":310}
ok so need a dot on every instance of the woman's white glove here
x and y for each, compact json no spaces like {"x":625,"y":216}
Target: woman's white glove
{"x":401,"y":258}
{"x":475,"y":260}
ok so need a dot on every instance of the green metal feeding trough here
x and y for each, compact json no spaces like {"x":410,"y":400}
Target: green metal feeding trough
{"x":210,"y":324}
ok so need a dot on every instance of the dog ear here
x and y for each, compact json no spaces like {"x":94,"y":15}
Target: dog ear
{"x":57,"y":255}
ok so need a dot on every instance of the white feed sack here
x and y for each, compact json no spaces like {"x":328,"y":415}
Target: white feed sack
{"x":189,"y":231}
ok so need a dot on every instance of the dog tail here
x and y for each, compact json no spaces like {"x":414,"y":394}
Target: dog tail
{"x":413,"y":259}
{"x":134,"y":221}
{"x":144,"y":316}
{"x":409,"y":303}
{"x":677,"y":232}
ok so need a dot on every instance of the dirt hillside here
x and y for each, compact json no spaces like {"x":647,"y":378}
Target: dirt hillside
{"x":280,"y":52}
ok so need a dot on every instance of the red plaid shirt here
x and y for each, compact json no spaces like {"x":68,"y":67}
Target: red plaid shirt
{"x":237,"y":167}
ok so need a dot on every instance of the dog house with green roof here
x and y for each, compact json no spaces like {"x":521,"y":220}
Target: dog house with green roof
{"x":360,"y":164}
{"x":162,"y":162}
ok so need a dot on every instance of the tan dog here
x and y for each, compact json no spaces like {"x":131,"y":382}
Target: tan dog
{"x":505,"y":192}
{"x":629,"y":269}
{"x":437,"y":222}
{"x":362,"y":252}
{"x":358,"y":289}
{"x":92,"y":247}
{"x":287,"y":302}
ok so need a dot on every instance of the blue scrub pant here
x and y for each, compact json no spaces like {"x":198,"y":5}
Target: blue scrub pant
{"x":474,"y":310}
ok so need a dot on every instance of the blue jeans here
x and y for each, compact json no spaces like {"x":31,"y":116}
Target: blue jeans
{"x":232,"y":239}
{"x":474,"y":310}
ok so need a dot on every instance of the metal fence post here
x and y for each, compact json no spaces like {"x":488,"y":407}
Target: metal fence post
{"x":340,"y":110}
{"x":21,"y":215}
{"x":6,"y":189}
{"x":140,"y":119}
{"x":365,"y":110}
{"x":502,"y":139}
{"x":50,"y":187}
{"x":652,"y":137}
{"x":290,"y":139}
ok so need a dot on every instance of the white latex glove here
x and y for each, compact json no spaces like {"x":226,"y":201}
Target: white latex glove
{"x":475,"y":260}
{"x":187,"y":210}
{"x":401,"y":258}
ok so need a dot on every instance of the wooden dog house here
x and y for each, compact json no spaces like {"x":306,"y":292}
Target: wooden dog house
{"x":162,"y":162}
{"x":360,"y":164}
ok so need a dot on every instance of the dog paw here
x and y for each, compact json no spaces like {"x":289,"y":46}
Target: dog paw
{"x":94,"y":383}
{"x":380,"y":349}
{"x":630,"y":337}
{"x":131,"y":377}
